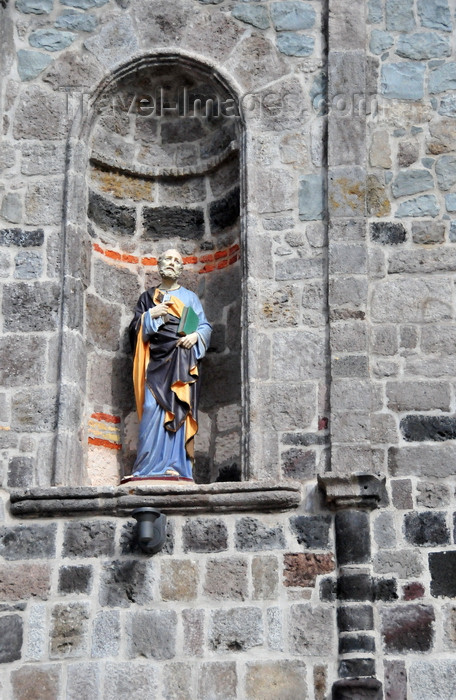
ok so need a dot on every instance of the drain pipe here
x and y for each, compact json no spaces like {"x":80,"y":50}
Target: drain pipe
{"x":151,"y":529}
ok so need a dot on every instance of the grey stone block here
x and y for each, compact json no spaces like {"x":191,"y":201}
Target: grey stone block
{"x":312,"y":531}
{"x":299,"y":268}
{"x":217,"y":681}
{"x":46,"y":123}
{"x":252,"y":535}
{"x":384,"y":530}
{"x":21,"y":472}
{"x":426,"y":529}
{"x":226,"y":579}
{"x":346,"y":80}
{"x":125,"y":582}
{"x":75,"y":579}
{"x":118,"y":285}
{"x":346,"y":140}
{"x":51,"y":40}
{"x":403,"y":81}
{"x":12,"y":207}
{"x":21,"y":363}
{"x":28,"y":265}
{"x":432,"y":495}
{"x":76,"y":21}
{"x":89,"y":538}
{"x":399,"y":15}
{"x":276,"y":680}
{"x":106,"y":634}
{"x":118,"y":220}
{"x":265,"y":577}
{"x":115,"y":42}
{"x":409,"y":300}
{"x":34,"y":410}
{"x":120,"y":682}
{"x":292,"y":44}
{"x":411,"y":182}
{"x":442,"y":78}
{"x":418,"y":396}
{"x":11,"y":636}
{"x":346,"y":191}
{"x":69,"y":630}
{"x":256,"y":15}
{"x":30,"y":307}
{"x":380,"y":41}
{"x":446,"y":172}
{"x":193,"y":624}
{"x":28,"y":542}
{"x":407,"y":628}
{"x":179,"y":580}
{"x":405,"y":563}
{"x":36,"y":7}
{"x":435,"y":14}
{"x":224,"y":213}
{"x":177,"y":681}
{"x":204,"y":535}
{"x":83,"y":681}
{"x":346,"y":259}
{"x":433,"y":679}
{"x":152,"y":634}
{"x":428,"y":232}
{"x":235,"y":629}
{"x":165,"y":222}
{"x":43,"y":203}
{"x":311,"y":630}
{"x":423,"y":460}
{"x":355,"y":617}
{"x":423,"y":46}
{"x":298,"y":464}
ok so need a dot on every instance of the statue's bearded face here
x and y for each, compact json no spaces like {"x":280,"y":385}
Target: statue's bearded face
{"x":170,"y":264}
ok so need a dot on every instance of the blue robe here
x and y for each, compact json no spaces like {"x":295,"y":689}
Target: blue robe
{"x":161,"y":445}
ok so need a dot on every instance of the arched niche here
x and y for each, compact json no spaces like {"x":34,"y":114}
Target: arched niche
{"x":153,"y":164}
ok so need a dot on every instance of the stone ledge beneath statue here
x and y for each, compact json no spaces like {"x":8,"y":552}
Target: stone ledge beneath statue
{"x":233,"y":497}
{"x":365,"y":491}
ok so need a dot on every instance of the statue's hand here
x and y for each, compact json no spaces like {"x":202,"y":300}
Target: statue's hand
{"x":188,"y":341}
{"x":159,"y":310}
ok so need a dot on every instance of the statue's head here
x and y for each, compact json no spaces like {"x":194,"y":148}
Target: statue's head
{"x":170,"y":264}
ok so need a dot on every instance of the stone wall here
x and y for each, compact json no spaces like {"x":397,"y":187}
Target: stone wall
{"x":316,"y":221}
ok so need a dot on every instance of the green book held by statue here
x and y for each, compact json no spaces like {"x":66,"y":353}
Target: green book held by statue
{"x":189,"y":321}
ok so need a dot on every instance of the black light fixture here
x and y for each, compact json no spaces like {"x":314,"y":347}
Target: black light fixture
{"x":151,"y":529}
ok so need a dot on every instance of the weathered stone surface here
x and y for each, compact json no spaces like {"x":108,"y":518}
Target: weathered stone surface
{"x":235,"y":629}
{"x":11,"y":634}
{"x":226,"y":579}
{"x":426,"y":529}
{"x":26,"y":680}
{"x":83,"y":681}
{"x":355,"y":587}
{"x":352,"y":537}
{"x":48,"y":122}
{"x":412,"y":181}
{"x":311,"y":630}
{"x":224,"y":212}
{"x":355,"y":617}
{"x":403,"y":81}
{"x":34,"y":410}
{"x":119,"y":220}
{"x":116,"y":284}
{"x":346,"y":191}
{"x":106,"y":634}
{"x":412,"y":301}
{"x":292,"y":44}
{"x":401,"y":490}
{"x":311,"y":198}
{"x":125,"y":582}
{"x":177,"y":681}
{"x":31,"y":63}
{"x":432,"y":494}
{"x":204,"y":535}
{"x":75,"y":579}
{"x":407,"y":628}
{"x":276,"y":680}
{"x":423,"y":460}
{"x":265,"y":577}
{"x":165,"y":222}
{"x":312,"y":531}
{"x":69,"y":630}
{"x":426,"y":205}
{"x":423,"y":46}
{"x":19,"y":237}
{"x":51,"y":40}
{"x":380,"y":41}
{"x":193,"y":624}
{"x":103,"y":323}
{"x":435,"y":14}
{"x":446,"y":172}
{"x":432,"y":680}
{"x":89,"y":539}
{"x":418,"y":396}
{"x":21,"y":472}
{"x":120,"y":682}
{"x":404,"y":563}
{"x":416,"y":428}
{"x":384,"y":530}
{"x":268,"y":64}
{"x":218,"y":681}
{"x":152,"y":634}
{"x":28,"y":265}
{"x":43,"y":203}
{"x":292,"y":15}
{"x":399,"y":15}
{"x":116,"y":40}
{"x":428,"y":232}
{"x":302,"y":569}
{"x":73,"y":69}
{"x":179,"y":580}
{"x":27,"y":541}
{"x":442,"y":78}
{"x":252,"y":535}
{"x":257,"y":15}
{"x":407,"y":153}
{"x":36,"y":7}
{"x":22,"y":581}
{"x":21,"y":364}
{"x":76,"y":21}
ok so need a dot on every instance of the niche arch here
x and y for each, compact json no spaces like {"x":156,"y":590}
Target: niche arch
{"x":155,"y":160}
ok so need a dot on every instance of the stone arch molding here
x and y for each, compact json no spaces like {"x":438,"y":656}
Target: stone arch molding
{"x":79,"y":241}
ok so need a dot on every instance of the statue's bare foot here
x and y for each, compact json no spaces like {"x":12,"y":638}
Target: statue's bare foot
{"x":171,"y":472}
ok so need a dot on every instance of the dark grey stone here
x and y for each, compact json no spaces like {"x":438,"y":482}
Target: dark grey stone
{"x":118,"y":285}
{"x":168,"y":222}
{"x":407,"y":628}
{"x":312,"y":530}
{"x":355,"y":587}
{"x":216,"y":143}
{"x":305,"y":439}
{"x":236,"y":629}
{"x":426,"y":529}
{"x":89,"y":539}
{"x":328,"y":590}
{"x":28,"y":542}
{"x":123,"y":583}
{"x":11,"y":635}
{"x":442,"y":566}
{"x":34,"y":410}
{"x":252,"y":535}
{"x":21,"y":364}
{"x":363,"y":643}
{"x":224,"y":212}
{"x":298,"y":464}
{"x":75,"y":579}
{"x":385,"y":589}
{"x":352,"y":537}
{"x":417,"y":428}
{"x":20,"y":472}
{"x":152,"y":634}
{"x":30,"y":306}
{"x":204,"y":535}
{"x":183,"y":129}
{"x":355,"y":617}
{"x":21,"y":237}
{"x":355,"y":668}
{"x":388,"y":233}
{"x":118,"y":220}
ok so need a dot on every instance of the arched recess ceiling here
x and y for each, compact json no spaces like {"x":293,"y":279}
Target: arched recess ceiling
{"x":160,"y":168}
